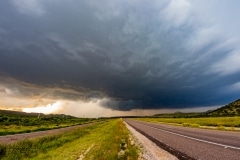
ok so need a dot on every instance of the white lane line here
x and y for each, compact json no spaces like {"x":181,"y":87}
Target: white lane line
{"x":200,"y":140}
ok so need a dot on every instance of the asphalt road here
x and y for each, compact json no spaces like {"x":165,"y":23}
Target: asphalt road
{"x":191,"y":143}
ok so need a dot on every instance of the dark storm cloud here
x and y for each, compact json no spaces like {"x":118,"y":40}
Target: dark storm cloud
{"x":135,"y":53}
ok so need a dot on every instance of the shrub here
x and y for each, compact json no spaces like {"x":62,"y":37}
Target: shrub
{"x":186,"y":124}
{"x":221,"y":127}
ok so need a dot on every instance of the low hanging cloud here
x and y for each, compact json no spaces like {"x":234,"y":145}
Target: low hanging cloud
{"x":128,"y":54}
{"x":50,"y":108}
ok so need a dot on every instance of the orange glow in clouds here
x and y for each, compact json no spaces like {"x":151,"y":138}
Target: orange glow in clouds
{"x":50,"y":108}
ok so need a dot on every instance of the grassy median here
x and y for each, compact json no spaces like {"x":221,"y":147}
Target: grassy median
{"x":103,"y":141}
{"x":222,"y":123}
{"x":14,"y":124}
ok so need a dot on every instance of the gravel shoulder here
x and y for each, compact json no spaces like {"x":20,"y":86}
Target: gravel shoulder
{"x":191,"y":143}
{"x":149,"y":150}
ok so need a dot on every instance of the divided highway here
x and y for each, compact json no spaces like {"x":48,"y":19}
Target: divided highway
{"x":191,"y":143}
{"x":7,"y":139}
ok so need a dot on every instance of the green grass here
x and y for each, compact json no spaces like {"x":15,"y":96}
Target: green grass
{"x":231,"y":109}
{"x":14,"y":129}
{"x":219,"y":122}
{"x":13,"y":124}
{"x":103,"y":140}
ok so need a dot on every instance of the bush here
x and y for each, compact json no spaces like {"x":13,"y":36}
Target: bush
{"x":221,"y":127}
{"x":186,"y":124}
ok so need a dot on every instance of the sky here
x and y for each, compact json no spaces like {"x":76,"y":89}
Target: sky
{"x":92,"y":58}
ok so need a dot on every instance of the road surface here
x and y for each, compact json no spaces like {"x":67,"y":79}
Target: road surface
{"x":191,"y":143}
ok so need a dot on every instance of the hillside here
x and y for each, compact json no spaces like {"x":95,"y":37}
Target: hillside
{"x":24,"y":114}
{"x":32,"y":119}
{"x":18,"y":113}
{"x":182,"y":115}
{"x":232,"y":109}
{"x":13,"y":122}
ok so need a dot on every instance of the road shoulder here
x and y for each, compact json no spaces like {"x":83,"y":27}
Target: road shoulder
{"x":150,"y":151}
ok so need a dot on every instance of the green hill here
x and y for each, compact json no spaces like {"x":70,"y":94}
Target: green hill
{"x":11,"y":113}
{"x":232,"y":109}
{"x":36,"y":119}
{"x":18,"y":113}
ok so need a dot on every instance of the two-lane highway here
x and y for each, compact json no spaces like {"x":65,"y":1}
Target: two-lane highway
{"x":191,"y":143}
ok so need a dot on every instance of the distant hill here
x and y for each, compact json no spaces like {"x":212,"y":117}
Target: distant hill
{"x":20,"y":114}
{"x":181,"y":115}
{"x":232,"y":109}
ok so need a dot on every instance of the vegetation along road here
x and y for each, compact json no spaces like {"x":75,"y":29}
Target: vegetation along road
{"x":17,"y":137}
{"x":105,"y":140}
{"x":191,"y":143}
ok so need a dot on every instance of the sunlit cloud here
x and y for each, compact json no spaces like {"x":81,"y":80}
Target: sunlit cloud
{"x":50,"y":108}
{"x":94,"y":109}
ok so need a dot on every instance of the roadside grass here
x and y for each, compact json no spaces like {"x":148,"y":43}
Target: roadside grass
{"x":102,"y":141}
{"x":221,"y":123}
{"x":112,"y":140}
{"x":12,"y":122}
{"x":31,"y":148}
{"x":7,"y":129}
{"x":15,"y":129}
